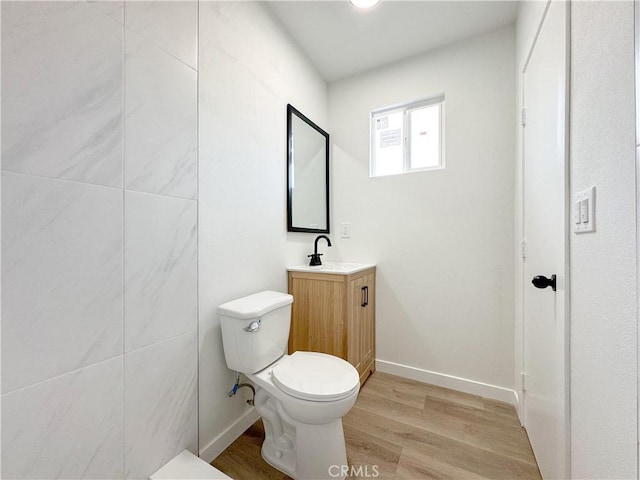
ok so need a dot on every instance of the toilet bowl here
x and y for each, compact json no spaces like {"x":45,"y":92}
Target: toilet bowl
{"x":313,"y":387}
{"x":301,"y":397}
{"x":304,"y":436}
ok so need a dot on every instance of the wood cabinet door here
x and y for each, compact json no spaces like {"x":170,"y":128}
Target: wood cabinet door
{"x":317,"y":320}
{"x":356,"y":319}
{"x":367,"y":326}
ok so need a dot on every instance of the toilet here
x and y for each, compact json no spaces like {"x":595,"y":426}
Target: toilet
{"x":301,"y":397}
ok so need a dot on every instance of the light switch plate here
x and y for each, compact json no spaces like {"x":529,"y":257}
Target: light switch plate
{"x":586,"y":200}
{"x":345,"y":230}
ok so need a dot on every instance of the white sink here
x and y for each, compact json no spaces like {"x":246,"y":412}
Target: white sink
{"x":340,"y":268}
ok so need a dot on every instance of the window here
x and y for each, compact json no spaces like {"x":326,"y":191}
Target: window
{"x":407,"y":138}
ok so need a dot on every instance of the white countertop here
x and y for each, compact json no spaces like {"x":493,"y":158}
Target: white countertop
{"x":340,"y":268}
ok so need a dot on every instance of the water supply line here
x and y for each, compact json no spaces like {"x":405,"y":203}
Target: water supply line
{"x":237,"y":386}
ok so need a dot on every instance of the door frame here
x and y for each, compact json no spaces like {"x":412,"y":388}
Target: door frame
{"x":524,"y":282}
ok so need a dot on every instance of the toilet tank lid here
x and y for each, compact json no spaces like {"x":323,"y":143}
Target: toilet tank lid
{"x":255,"y":305}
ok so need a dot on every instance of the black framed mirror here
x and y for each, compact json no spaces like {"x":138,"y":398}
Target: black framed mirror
{"x":307,"y":175}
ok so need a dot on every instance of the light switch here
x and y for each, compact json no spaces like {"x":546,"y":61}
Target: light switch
{"x":576,"y":212}
{"x":585,"y":209}
{"x":345,"y":230}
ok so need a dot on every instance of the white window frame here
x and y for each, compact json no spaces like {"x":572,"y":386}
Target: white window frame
{"x":406,"y":109}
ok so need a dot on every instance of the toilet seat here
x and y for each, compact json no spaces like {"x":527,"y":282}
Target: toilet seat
{"x":316,"y":377}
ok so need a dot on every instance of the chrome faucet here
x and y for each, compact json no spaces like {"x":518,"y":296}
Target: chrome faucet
{"x":315,"y":256}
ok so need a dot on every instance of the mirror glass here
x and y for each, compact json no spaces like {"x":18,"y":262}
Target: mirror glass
{"x":307,"y":174}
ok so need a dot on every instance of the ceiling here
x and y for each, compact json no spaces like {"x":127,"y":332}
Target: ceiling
{"x":341,"y":40}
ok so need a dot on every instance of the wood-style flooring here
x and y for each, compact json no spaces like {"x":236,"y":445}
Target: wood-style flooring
{"x":412,"y":431}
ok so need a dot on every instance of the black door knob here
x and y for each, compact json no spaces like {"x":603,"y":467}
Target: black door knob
{"x":540,"y":281}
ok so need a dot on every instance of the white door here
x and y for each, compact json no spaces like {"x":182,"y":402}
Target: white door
{"x":545,"y":235}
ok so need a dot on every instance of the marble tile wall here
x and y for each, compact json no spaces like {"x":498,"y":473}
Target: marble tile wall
{"x":161,"y":389}
{"x":99,"y":237}
{"x":160,"y":257}
{"x":161,"y":121}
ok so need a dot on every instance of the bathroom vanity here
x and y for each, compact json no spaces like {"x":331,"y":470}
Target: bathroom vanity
{"x":334,"y":312}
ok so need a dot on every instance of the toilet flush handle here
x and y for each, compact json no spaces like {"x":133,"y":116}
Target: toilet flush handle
{"x":254,"y":326}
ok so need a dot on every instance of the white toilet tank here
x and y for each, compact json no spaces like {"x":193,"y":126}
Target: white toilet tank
{"x":255,"y":330}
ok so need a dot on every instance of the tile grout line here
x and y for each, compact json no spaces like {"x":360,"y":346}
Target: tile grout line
{"x":197,"y":346}
{"x":97,"y":185}
{"x":60,"y":375}
{"x":66,"y":180}
{"x":163,"y":195}
{"x":124,"y":265}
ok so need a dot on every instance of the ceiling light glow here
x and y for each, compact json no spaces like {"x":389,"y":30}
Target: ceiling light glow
{"x":364,"y":3}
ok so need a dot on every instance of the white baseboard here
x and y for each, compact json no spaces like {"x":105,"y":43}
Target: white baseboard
{"x":228,"y":436}
{"x":449,"y":381}
{"x":519,"y":406}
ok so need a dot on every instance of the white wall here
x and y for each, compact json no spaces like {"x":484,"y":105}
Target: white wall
{"x":442,"y":240}
{"x":249,"y":71}
{"x":604,"y":287}
{"x":99,"y":165}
